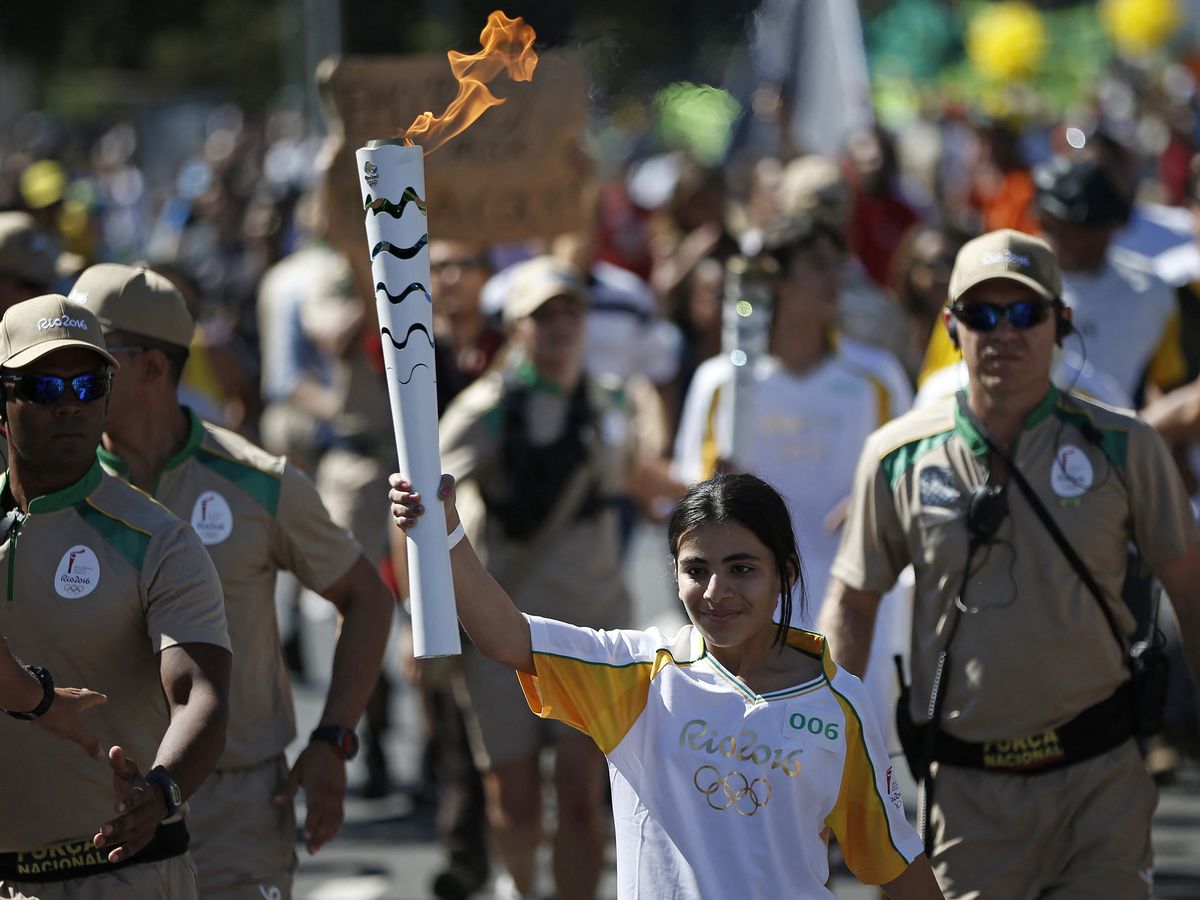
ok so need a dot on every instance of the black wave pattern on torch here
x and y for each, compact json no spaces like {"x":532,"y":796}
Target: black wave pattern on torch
{"x":401,"y":345}
{"x":410,"y":373}
{"x":379,"y":205}
{"x":400,"y":252}
{"x":403,"y":295}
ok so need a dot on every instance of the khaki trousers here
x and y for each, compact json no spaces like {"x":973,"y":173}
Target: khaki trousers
{"x":243,"y":844}
{"x":1078,"y":832}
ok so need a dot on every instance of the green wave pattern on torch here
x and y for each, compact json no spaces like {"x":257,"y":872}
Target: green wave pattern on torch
{"x":379,"y":205}
{"x":399,"y":252}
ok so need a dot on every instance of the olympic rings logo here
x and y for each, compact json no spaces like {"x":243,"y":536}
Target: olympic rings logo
{"x":733,"y":790}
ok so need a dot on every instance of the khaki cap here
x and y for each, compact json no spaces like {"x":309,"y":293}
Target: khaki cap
{"x":814,"y":186}
{"x":136,"y":300}
{"x":33,"y":328}
{"x":1010,"y":255}
{"x":26,"y":254}
{"x":539,"y":280}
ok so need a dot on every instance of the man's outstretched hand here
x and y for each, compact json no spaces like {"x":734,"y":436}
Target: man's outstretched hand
{"x":63,"y":718}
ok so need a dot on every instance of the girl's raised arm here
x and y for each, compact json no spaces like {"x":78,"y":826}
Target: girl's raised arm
{"x":487,"y":613}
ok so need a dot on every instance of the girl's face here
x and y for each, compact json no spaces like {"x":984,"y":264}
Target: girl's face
{"x":729,"y":584}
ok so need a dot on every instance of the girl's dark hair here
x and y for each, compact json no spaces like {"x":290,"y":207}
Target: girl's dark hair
{"x":756,"y":506}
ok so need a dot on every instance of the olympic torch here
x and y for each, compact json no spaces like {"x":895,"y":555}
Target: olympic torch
{"x":392,"y":179}
{"x":391,"y":176}
{"x":745,"y":333}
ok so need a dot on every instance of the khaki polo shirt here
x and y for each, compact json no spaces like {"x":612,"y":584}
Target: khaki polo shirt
{"x":575,"y":573}
{"x":256,"y":515}
{"x":98,"y":579}
{"x":1034,"y":649}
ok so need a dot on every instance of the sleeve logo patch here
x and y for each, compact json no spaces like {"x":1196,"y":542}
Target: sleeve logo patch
{"x":939,"y":488}
{"x":78,"y":573}
{"x":212,"y":518}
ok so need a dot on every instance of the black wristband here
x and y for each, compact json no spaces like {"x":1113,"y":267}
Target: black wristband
{"x":172,"y":795}
{"x":42,"y":674}
{"x":343,"y":740}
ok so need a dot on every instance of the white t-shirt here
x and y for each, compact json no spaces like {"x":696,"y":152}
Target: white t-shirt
{"x":807,"y":433}
{"x":1123,"y":313}
{"x":1157,"y":233}
{"x":719,"y":792}
{"x":884,"y":365}
{"x":625,"y":335}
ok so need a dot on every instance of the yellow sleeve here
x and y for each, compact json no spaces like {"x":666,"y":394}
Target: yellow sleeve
{"x":860,"y":818}
{"x":1168,"y":368}
{"x":710,"y":451}
{"x":883,"y":402}
{"x":940,"y":353}
{"x":593,"y":681}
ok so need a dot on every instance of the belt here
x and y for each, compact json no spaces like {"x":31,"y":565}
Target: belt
{"x":1098,"y":729}
{"x":80,"y":859}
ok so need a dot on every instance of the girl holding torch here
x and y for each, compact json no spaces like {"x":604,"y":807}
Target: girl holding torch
{"x":542,"y":450}
{"x":734,"y":747}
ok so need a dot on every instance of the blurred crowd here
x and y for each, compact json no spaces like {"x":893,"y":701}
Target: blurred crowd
{"x":856,"y":249}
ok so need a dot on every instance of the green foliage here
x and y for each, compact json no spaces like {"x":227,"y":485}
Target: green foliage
{"x":917,"y":61}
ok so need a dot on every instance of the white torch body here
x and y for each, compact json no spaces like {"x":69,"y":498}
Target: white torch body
{"x":392,"y":180}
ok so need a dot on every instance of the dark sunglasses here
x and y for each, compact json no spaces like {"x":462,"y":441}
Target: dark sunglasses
{"x":47,"y":389}
{"x":1022,"y":315}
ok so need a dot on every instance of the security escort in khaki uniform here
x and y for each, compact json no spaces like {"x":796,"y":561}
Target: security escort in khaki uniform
{"x":1038,"y":787}
{"x":106,"y":588}
{"x":257,"y":515}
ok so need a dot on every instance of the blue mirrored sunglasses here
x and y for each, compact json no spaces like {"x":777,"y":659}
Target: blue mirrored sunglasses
{"x":47,"y":389}
{"x":1022,"y":315}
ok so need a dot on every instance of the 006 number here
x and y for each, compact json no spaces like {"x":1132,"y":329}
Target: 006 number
{"x":813,"y":725}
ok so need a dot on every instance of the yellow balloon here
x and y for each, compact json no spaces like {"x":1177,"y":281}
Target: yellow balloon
{"x":1006,"y":41}
{"x":1138,"y":27}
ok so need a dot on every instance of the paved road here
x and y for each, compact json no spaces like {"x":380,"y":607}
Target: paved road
{"x":386,"y":849}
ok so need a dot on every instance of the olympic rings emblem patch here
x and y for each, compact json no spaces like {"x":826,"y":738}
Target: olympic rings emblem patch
{"x":721,"y":792}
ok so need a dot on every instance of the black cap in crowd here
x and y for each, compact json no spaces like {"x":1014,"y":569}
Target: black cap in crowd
{"x":1079,"y":191}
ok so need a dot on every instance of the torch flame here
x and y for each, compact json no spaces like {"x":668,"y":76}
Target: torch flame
{"x":507,"y":44}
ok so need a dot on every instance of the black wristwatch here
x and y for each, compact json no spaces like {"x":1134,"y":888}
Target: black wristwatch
{"x":43,"y":676}
{"x":344,"y":740}
{"x":171,"y":792}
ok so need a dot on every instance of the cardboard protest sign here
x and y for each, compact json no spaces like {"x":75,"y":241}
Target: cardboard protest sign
{"x":516,"y":173}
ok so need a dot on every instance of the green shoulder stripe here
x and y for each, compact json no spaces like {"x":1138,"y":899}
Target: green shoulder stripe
{"x":593,"y":662}
{"x":262,"y":486}
{"x":128,"y":540}
{"x":1113,"y":439}
{"x":896,"y":462}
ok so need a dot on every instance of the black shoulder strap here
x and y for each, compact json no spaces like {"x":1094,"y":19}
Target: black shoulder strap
{"x":1048,"y":523}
